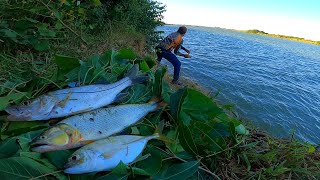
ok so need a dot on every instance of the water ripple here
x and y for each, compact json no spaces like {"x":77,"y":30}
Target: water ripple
{"x":273,"y":82}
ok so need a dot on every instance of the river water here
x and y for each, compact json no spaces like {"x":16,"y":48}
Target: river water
{"x":274,"y":83}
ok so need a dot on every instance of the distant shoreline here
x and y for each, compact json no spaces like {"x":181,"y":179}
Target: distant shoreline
{"x":292,"y":38}
{"x":259,"y":32}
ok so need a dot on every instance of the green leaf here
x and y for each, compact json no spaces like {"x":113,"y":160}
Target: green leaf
{"x":144,"y":66}
{"x":138,"y":171}
{"x":108,"y":57}
{"x":16,"y":128}
{"x":94,"y":60}
{"x":126,"y":54}
{"x":11,"y":98}
{"x":112,"y":176}
{"x":96,"y":2}
{"x":10,"y":34}
{"x":138,"y":93}
{"x":65,"y":63}
{"x":176,"y":101}
{"x":44,"y":31}
{"x":187,"y":139}
{"x":24,"y":168}
{"x":41,"y":45}
{"x":11,"y":145}
{"x":58,"y":158}
{"x":153,"y":163}
{"x":158,"y":81}
{"x":181,"y":171}
{"x":241,"y":130}
{"x":174,"y":147}
{"x":199,"y":107}
{"x":121,"y":168}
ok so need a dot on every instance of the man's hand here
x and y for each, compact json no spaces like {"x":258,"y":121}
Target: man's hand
{"x":187,"y":51}
{"x":186,"y":55}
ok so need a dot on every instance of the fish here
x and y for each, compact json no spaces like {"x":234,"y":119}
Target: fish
{"x":82,"y":129}
{"x":67,"y":102}
{"x":106,"y":154}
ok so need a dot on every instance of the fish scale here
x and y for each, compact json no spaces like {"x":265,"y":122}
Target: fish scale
{"x":107,"y":121}
{"x":82,"y":129}
{"x":66,"y":102}
{"x":107,"y":153}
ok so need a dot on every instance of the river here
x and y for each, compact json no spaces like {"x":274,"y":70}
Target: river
{"x":274,"y":83}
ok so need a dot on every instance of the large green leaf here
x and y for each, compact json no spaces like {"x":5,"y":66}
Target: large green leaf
{"x":14,"y":97}
{"x":138,"y":93}
{"x":108,"y":57}
{"x":66,"y":63}
{"x":126,"y":54}
{"x":181,"y":171}
{"x":24,"y":168}
{"x":16,"y":128}
{"x":158,"y":81}
{"x":188,"y":139}
{"x":153,"y":163}
{"x":198,"y":107}
{"x":58,"y":158}
{"x":176,"y":101}
{"x":144,"y":66}
{"x":11,"y":145}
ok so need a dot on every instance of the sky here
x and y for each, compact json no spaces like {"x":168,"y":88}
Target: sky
{"x":300,"y":18}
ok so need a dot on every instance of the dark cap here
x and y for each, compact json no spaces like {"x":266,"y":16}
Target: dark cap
{"x":182,"y":30}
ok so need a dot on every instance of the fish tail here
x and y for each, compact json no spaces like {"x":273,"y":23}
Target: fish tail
{"x":158,"y":134}
{"x":135,"y":79}
{"x":158,"y":101}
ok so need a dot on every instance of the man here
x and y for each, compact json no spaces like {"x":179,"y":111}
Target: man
{"x":173,"y":42}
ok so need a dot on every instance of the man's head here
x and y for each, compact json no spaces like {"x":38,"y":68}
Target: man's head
{"x":182,"y":30}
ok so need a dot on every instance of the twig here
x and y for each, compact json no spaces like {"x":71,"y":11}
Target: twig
{"x":46,"y":174}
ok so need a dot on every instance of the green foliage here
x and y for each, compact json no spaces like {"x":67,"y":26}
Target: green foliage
{"x":201,"y":135}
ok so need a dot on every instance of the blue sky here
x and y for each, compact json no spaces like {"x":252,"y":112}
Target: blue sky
{"x":288,"y":17}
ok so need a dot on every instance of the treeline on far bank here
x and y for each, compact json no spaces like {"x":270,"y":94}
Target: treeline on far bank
{"x":255,"y":31}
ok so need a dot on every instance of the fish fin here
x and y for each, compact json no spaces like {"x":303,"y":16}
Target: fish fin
{"x":158,"y":134}
{"x":87,"y":142}
{"x":65,"y":100}
{"x":132,"y":75}
{"x":120,"y":97}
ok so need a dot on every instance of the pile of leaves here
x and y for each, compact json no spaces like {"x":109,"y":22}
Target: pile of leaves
{"x":205,"y":142}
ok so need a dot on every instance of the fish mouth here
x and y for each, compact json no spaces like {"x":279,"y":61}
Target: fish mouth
{"x":41,"y":147}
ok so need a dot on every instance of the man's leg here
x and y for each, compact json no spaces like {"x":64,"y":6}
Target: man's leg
{"x":175,"y":62}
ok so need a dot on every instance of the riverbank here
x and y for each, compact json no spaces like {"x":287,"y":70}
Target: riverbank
{"x":263,"y":156}
{"x":291,"y":38}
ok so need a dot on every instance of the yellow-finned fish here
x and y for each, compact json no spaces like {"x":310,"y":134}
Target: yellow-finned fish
{"x":66,"y":102}
{"x":107,"y":153}
{"x":82,"y":129}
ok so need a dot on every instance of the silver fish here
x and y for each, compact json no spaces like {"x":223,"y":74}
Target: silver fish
{"x":107,"y":153}
{"x":66,"y":102}
{"x":85,"y":128}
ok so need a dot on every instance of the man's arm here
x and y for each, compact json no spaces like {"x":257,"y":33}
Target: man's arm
{"x":185,"y":49}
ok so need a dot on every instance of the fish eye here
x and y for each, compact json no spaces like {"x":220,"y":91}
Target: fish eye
{"x":74,"y":158}
{"x":42,"y":137}
{"x":26,"y":102}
